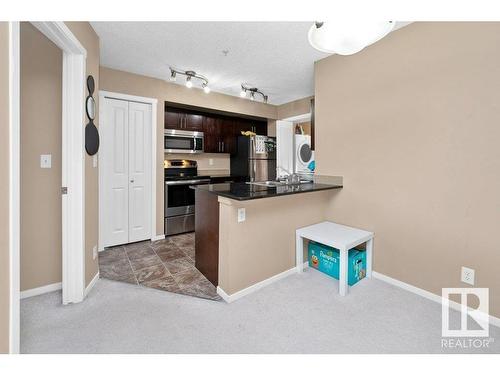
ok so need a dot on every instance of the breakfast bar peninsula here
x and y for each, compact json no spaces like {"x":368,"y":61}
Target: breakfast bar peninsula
{"x":245,"y":232}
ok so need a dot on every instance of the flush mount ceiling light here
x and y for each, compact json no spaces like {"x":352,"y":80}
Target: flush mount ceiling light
{"x":190,"y":74}
{"x":253,"y":91}
{"x":347,"y":37}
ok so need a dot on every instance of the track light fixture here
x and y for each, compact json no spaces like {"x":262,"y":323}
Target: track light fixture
{"x":253,"y":91}
{"x":190,"y":74}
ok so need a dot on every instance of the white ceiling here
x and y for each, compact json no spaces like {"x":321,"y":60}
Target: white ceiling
{"x":274,"y":56}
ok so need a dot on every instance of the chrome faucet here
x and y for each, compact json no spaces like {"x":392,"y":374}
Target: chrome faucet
{"x":290,"y":178}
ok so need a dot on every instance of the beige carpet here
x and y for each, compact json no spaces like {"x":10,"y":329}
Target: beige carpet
{"x":299,"y":314}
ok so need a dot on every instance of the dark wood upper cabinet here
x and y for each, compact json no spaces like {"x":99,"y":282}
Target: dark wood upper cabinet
{"x":193,"y":122}
{"x":173,"y":120}
{"x":220,"y":131}
{"x":227,"y":128}
{"x":260,"y":128}
{"x":212,"y":138}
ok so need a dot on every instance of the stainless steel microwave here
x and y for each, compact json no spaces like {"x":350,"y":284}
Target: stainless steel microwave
{"x":183,"y":141}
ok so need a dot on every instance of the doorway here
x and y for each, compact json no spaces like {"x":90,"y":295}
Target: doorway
{"x":72,"y":168}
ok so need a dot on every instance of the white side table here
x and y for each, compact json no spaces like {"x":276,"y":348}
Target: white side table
{"x":340,"y":237}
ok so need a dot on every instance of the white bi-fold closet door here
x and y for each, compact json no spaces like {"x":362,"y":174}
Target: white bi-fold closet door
{"x":126,"y":163}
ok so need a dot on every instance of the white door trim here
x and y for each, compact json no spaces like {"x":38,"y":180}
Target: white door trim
{"x":73,"y":163}
{"x":14,"y":185}
{"x":141,"y":99}
{"x":73,"y":158}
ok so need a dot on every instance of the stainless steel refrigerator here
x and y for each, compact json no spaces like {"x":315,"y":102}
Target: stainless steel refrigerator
{"x":255,"y":158}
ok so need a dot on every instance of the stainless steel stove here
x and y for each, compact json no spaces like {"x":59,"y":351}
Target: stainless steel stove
{"x":179,"y":198}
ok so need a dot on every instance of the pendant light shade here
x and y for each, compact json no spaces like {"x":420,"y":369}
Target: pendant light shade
{"x":347,"y":38}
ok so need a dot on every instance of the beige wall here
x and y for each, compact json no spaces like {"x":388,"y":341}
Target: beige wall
{"x":412,"y":123}
{"x":41,"y":94}
{"x":295,"y":108}
{"x":133,"y":84}
{"x":246,"y":259}
{"x":90,"y":41}
{"x":41,"y":112}
{"x":271,"y":128}
{"x":4,"y":187}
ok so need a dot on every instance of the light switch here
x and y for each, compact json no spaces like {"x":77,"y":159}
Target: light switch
{"x":45,"y":161}
{"x":241,"y":215}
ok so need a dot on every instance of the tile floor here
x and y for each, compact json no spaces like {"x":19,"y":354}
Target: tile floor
{"x":166,"y":265}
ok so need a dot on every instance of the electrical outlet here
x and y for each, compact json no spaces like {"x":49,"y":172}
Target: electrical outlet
{"x":210,"y":161}
{"x":467,"y":275}
{"x":94,"y":252}
{"x":241,"y":215}
{"x":46,"y":161}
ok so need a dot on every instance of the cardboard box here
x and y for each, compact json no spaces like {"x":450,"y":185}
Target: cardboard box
{"x":326,"y":259}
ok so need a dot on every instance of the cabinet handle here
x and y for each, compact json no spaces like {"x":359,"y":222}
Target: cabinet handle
{"x":222,"y":146}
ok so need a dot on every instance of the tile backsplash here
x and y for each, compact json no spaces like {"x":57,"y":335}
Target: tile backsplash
{"x":206,"y":161}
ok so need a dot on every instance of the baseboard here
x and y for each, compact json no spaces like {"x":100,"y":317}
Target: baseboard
{"x":426,"y":294}
{"x":41,"y":290}
{"x":158,"y":237}
{"x":91,"y":284}
{"x":233,"y":297}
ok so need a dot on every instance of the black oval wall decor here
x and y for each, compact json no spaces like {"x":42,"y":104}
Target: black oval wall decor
{"x":91,"y":132}
{"x":90,"y":85}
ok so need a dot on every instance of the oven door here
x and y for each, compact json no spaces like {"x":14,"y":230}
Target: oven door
{"x":179,"y":197}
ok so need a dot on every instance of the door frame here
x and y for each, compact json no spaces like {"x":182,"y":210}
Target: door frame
{"x":73,"y":167}
{"x":140,"y":99}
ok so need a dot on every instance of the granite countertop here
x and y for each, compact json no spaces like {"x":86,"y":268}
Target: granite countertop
{"x":242,"y":191}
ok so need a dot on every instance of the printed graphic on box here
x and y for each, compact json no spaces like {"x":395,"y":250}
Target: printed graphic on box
{"x":327,"y":260}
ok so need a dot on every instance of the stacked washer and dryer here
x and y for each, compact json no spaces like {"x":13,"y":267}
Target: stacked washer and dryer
{"x":294,"y":154}
{"x":303,"y":156}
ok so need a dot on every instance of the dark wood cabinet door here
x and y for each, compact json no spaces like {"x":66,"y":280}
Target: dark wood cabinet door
{"x":207,"y":235}
{"x":242,"y":125}
{"x":228,"y":135}
{"x":211,"y":132}
{"x":173,"y":120}
{"x":260,"y":128}
{"x":193,"y":122}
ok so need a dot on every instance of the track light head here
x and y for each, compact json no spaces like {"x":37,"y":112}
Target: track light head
{"x":253,"y":91}
{"x":189,"y":83}
{"x":172,"y":75}
{"x":206,"y":89}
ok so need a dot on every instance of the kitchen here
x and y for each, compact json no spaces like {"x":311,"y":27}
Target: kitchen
{"x":207,"y":189}
{"x":203,"y":146}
